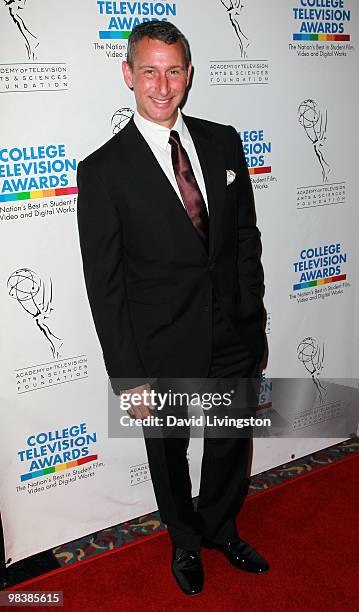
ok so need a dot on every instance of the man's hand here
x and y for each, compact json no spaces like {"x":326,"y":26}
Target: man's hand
{"x":139,"y":399}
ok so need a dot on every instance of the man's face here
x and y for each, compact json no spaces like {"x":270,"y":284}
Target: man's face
{"x":159,"y":79}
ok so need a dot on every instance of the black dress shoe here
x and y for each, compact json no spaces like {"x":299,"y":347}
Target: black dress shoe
{"x":188,"y":571}
{"x":241,"y":555}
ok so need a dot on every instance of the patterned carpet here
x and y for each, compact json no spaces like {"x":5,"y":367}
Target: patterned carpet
{"x":140,"y":528}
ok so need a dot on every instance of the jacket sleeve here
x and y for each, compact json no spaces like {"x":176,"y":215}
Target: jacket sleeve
{"x":100,"y":234}
{"x":250,"y":268}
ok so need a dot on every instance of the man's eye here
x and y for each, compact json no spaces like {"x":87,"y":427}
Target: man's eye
{"x":174,"y":72}
{"x":149,"y":71}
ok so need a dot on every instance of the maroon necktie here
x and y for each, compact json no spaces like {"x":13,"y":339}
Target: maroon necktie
{"x":188,"y":186}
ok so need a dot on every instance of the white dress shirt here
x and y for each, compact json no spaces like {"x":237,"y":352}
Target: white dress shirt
{"x":157,"y":137}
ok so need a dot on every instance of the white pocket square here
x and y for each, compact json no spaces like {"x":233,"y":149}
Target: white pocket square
{"x":231,"y":175}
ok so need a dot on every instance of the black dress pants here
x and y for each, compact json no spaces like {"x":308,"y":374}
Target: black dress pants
{"x":224,"y":470}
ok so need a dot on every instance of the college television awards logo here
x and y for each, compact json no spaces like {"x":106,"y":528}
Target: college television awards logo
{"x":36,"y":181}
{"x":319,"y":273}
{"x":241,"y":71}
{"x":321,"y":21}
{"x":313,"y":118}
{"x":16,"y":76}
{"x":120,"y":119}
{"x":321,"y":29}
{"x":257,"y":149}
{"x":54,"y":452}
{"x":118,"y":19}
{"x":35,"y":296}
{"x":320,"y":265}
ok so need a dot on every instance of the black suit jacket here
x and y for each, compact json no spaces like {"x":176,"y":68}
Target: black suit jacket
{"x":149,"y":279}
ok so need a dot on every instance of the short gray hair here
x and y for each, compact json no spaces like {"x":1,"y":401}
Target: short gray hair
{"x":157,"y":30}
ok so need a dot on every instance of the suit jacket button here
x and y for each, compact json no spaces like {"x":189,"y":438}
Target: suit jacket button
{"x":206,"y":308}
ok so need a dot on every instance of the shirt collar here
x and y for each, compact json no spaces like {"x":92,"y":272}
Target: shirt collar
{"x":158,"y":134}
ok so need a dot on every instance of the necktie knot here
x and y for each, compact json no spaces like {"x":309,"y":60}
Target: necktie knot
{"x":174,"y":138}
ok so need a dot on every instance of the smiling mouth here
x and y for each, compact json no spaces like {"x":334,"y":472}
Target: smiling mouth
{"x":161,"y":101}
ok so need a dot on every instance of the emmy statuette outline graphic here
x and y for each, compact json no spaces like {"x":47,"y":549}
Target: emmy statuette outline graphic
{"x":315,"y":122}
{"x":36,"y":297}
{"x":120,"y":119}
{"x":311,"y":354}
{"x":31,"y":41}
{"x":234,"y":9}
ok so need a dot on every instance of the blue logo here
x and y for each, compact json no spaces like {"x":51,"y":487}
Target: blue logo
{"x":124,"y":16}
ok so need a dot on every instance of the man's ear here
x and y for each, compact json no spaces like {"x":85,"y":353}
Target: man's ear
{"x":127,"y":74}
{"x":189,"y":72}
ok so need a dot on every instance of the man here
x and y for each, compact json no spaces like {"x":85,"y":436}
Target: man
{"x":171,"y":258}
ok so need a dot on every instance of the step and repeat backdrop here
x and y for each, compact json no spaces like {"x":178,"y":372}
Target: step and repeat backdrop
{"x":284,"y":73}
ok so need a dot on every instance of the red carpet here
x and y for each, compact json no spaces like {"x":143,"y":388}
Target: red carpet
{"x":307,"y":529}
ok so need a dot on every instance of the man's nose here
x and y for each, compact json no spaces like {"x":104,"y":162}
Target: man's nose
{"x":163,"y":84}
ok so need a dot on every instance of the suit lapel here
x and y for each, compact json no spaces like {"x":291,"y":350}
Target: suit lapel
{"x":211,"y":162}
{"x":140,"y":150}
